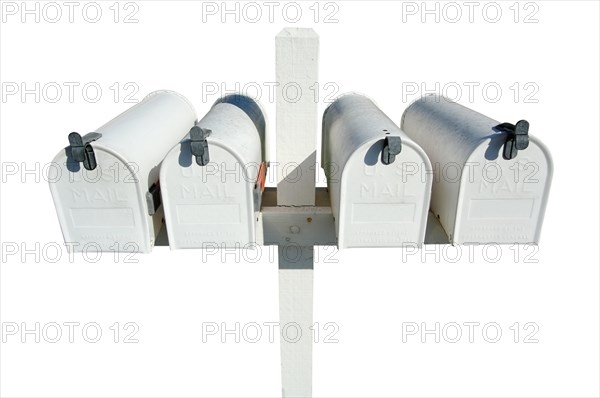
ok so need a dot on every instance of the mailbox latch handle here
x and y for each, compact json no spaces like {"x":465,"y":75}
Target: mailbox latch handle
{"x":392,"y":146}
{"x":517,"y":138}
{"x":153,"y":198}
{"x":82,"y":151}
{"x":199,"y":145}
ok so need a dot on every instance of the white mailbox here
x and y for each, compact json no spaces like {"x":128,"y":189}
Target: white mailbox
{"x":105,"y":186}
{"x":213,"y":180}
{"x":491,"y":179}
{"x":379,"y":180}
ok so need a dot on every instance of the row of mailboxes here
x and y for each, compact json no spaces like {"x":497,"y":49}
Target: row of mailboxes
{"x":486,"y":181}
{"x":107,"y":193}
{"x":156,"y":161}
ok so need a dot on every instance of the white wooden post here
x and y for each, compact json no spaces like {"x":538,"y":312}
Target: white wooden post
{"x":297,"y":59}
{"x":297,"y":71}
{"x":295,"y":319}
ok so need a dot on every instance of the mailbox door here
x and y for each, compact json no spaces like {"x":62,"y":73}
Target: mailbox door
{"x":207,"y":206}
{"x":503,"y":201}
{"x":102,"y":209}
{"x":384,"y":205}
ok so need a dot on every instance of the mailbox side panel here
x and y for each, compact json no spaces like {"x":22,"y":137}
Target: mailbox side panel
{"x":144,"y":133}
{"x":384,"y":205}
{"x":449,"y":133}
{"x":101,"y":210}
{"x":503,"y":201}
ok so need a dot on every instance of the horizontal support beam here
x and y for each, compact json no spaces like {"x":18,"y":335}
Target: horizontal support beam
{"x":298,"y":225}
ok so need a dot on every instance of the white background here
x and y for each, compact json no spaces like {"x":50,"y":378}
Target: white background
{"x":373,"y":48}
